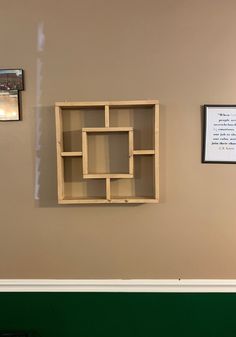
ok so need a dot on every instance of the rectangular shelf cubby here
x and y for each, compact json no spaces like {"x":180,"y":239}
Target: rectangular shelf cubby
{"x":107,"y":152}
{"x":141,"y":118}
{"x":141,"y":186}
{"x":76,"y":118}
{"x":78,"y":188}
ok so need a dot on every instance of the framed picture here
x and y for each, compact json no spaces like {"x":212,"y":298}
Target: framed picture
{"x":9,"y":105}
{"x":219,"y":137}
{"x":11,"y":79}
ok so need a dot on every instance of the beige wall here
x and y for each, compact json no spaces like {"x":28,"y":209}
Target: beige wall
{"x":181,"y":52}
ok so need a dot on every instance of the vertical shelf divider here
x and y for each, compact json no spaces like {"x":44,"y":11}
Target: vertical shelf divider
{"x":157,"y":154}
{"x":131,"y":152}
{"x":107,"y":116}
{"x":108,"y":180}
{"x":84,"y":152}
{"x":60,"y":160}
{"x":108,"y":189}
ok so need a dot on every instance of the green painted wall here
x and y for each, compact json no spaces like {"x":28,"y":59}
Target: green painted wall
{"x":119,"y":314}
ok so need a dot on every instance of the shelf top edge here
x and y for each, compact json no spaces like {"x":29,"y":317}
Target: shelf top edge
{"x":104,"y":103}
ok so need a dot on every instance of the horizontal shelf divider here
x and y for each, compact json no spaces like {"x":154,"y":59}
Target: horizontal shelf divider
{"x":71,"y":154}
{"x":128,"y":200}
{"x":83,"y":201}
{"x":134,"y":200}
{"x":108,"y":129}
{"x":143,"y":152}
{"x":107,"y":175}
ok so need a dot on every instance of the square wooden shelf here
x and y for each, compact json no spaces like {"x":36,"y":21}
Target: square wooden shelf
{"x":107,"y":152}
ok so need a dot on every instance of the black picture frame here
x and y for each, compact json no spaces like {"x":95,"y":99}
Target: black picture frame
{"x":219,"y":134}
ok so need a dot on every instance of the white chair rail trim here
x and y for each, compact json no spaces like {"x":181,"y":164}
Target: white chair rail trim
{"x":116,"y":285}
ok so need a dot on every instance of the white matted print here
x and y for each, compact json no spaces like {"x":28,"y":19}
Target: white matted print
{"x":219,"y":144}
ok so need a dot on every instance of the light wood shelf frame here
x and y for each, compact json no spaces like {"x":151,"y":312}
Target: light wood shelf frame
{"x":106,"y":106}
{"x":86,"y":174}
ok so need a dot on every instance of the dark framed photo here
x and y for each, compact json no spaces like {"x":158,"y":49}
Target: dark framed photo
{"x":219,"y":136}
{"x":9,"y":106}
{"x":11,"y":79}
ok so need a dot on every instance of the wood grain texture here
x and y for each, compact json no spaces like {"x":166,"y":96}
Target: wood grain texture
{"x":108,"y":129}
{"x":108,"y":103}
{"x":143,"y":152}
{"x":107,"y":116}
{"x":85,"y":152}
{"x":71,"y":154}
{"x":59,"y":145}
{"x":157,"y":155}
{"x":131,"y":152}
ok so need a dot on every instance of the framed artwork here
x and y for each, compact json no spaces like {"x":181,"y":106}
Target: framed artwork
{"x":11,"y":83}
{"x":219,"y":136}
{"x":11,"y":79}
{"x":9,"y":105}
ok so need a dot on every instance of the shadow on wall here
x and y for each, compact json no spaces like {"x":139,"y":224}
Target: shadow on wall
{"x":45,"y":158}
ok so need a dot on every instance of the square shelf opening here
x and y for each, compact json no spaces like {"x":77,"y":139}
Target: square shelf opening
{"x":73,"y":120}
{"x":141,"y":185}
{"x":141,"y":118}
{"x":76,"y":187}
{"x":107,"y":152}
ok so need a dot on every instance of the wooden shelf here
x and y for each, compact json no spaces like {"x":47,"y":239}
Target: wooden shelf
{"x":143,"y":152}
{"x":119,"y":104}
{"x":108,"y":129}
{"x":107,"y":175}
{"x":107,"y":152}
{"x":71,"y":154}
{"x":108,"y":201}
{"x":133,"y":200}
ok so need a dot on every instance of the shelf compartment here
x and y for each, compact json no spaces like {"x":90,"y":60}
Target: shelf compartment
{"x":74,"y":119}
{"x":107,"y":152}
{"x":141,"y":118}
{"x":78,"y":188}
{"x":141,"y":186}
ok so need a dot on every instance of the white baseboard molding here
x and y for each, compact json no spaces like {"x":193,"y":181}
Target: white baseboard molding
{"x":116,"y":285}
